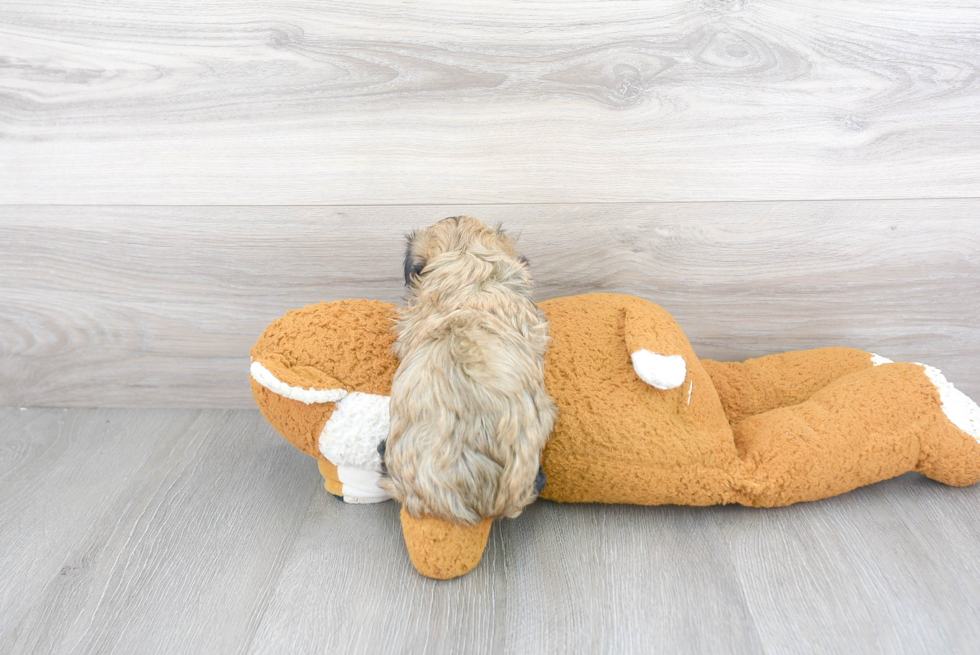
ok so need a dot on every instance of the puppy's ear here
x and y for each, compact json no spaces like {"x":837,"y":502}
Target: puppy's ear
{"x":413,"y":263}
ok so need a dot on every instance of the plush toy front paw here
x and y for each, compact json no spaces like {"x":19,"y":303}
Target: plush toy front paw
{"x":443,"y":550}
{"x":350,"y":442}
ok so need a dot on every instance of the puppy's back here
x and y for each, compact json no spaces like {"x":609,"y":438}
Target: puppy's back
{"x":470,"y":412}
{"x":470,"y":417}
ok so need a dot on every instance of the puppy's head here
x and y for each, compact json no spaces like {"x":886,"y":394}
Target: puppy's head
{"x":455,"y":235}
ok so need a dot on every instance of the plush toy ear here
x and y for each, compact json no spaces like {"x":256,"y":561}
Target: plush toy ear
{"x":443,"y":550}
{"x":655,"y":342}
{"x":306,"y":384}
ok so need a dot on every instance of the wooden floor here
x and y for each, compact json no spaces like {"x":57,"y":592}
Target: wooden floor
{"x":202,"y":531}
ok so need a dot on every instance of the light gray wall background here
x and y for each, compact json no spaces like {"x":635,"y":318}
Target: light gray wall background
{"x":779,"y":175}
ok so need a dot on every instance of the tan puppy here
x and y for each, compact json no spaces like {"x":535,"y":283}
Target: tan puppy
{"x":469,"y":410}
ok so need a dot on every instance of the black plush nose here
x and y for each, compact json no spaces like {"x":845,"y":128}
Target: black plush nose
{"x":382,"y":446}
{"x":540,"y":481}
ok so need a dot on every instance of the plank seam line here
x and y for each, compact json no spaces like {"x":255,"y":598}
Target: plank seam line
{"x":491,"y":204}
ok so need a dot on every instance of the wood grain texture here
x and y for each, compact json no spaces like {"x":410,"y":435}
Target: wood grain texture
{"x":361,"y":595}
{"x":54,"y":486}
{"x":622,"y":579}
{"x":160,"y":531}
{"x":158,"y":306}
{"x":856,"y":552}
{"x":180,"y":561}
{"x":348,"y":103}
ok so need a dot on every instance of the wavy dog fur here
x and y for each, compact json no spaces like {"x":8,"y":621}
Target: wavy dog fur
{"x":469,"y":410}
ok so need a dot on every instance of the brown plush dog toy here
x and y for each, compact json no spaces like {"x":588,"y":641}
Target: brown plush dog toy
{"x":641,"y":420}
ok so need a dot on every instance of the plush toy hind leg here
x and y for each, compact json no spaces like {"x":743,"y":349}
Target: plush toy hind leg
{"x":359,"y":486}
{"x":865,"y":427}
{"x":331,"y":480}
{"x":764,"y":383}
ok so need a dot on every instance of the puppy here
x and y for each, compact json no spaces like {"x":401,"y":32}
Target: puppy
{"x":469,"y":410}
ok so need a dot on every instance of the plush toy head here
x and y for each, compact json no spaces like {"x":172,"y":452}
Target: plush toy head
{"x":322,"y":376}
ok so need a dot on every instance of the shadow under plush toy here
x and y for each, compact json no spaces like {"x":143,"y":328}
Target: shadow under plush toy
{"x":641,"y":420}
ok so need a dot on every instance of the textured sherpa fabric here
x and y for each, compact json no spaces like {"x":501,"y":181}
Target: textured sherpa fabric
{"x":299,"y":423}
{"x":862,"y":428}
{"x":356,"y":427}
{"x":758,"y":385}
{"x":769,"y":431}
{"x":347,"y":342}
{"x":338,"y":345}
{"x":442,"y":550}
{"x":618,"y":439}
{"x":307,"y":396}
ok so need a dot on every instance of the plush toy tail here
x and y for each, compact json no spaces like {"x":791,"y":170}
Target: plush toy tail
{"x":865,"y":427}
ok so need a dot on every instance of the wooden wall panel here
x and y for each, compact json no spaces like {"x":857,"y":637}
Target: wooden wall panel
{"x":155,"y":102}
{"x":158,"y":306}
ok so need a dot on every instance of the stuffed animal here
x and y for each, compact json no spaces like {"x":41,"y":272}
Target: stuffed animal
{"x":641,"y":420}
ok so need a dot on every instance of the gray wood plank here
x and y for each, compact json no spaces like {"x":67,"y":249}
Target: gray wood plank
{"x":285,"y":102}
{"x":558,"y":579}
{"x":158,"y":306}
{"x":622,"y":579}
{"x":185,"y":559}
{"x":874,"y":571}
{"x":59,"y":470}
{"x":348,"y":586}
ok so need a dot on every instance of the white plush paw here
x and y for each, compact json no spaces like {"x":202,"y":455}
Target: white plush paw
{"x":958,"y":407}
{"x":660,"y":371}
{"x":360,"y":487}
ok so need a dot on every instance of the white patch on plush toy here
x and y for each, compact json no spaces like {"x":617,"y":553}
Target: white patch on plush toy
{"x":264,"y":376}
{"x":957,"y":406}
{"x":360,"y":487}
{"x":878,"y":360}
{"x":660,"y":371}
{"x":351,"y":436}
